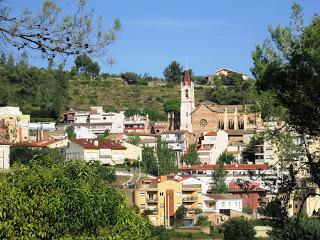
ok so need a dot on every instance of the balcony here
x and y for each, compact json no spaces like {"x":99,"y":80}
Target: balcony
{"x":153,"y":187}
{"x":151,"y":211}
{"x":152,"y":200}
{"x":189,"y":199}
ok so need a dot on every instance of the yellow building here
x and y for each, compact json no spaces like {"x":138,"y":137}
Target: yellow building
{"x":160,"y":198}
{"x":14,"y":126}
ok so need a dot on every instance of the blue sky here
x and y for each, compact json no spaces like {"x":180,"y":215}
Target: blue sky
{"x":204,"y":34}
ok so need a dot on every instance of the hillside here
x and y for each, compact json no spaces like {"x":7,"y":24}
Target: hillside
{"x":114,"y":93}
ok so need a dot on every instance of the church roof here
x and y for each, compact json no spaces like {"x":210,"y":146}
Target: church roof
{"x":186,"y":79}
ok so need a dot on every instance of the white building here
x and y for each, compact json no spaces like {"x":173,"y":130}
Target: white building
{"x":187,"y":102}
{"x":84,"y":132}
{"x":213,"y":144}
{"x":4,"y":156}
{"x":220,"y":202}
{"x":99,"y":121}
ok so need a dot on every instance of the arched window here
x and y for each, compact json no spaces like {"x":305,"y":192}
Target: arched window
{"x":220,"y":124}
{"x":241,"y":124}
{"x":231,"y":124}
{"x":187,"y":93}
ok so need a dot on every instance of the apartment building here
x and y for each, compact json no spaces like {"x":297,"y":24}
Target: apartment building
{"x":160,"y":198}
{"x":212,"y":145}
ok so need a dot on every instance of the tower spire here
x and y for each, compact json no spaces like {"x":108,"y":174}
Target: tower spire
{"x":186,"y":79}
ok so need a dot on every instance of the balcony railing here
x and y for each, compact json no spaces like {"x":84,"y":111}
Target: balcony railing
{"x":189,"y":199}
{"x":152,"y":200}
{"x":149,"y":186}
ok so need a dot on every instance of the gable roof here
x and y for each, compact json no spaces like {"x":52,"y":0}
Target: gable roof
{"x":102,"y":144}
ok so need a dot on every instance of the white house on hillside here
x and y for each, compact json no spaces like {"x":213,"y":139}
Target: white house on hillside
{"x":213,"y":144}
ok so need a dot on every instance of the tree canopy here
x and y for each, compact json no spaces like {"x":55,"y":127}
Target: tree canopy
{"x":173,"y":73}
{"x":238,"y":229}
{"x":51,"y":200}
{"x":218,"y":180}
{"x":51,"y":30}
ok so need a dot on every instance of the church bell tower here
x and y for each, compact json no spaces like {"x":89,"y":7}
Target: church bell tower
{"x":187,"y":102}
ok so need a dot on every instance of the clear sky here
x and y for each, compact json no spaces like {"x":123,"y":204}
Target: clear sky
{"x":204,"y":34}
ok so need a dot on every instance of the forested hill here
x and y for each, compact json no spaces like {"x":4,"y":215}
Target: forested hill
{"x":45,"y":93}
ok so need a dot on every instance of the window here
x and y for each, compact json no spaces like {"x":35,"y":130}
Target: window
{"x":187,"y":93}
{"x":161,"y":205}
{"x":142,"y":206}
{"x":203,"y":123}
{"x":161,"y":194}
{"x":223,"y":204}
{"x":142,"y":195}
{"x":178,"y":193}
{"x":187,"y":114}
{"x":153,"y":219}
{"x":229,"y":204}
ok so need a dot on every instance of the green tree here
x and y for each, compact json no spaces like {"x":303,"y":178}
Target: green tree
{"x":203,"y":221}
{"x":24,"y":154}
{"x":191,"y":158}
{"x":173,"y":73}
{"x":166,"y":157}
{"x":226,"y":158}
{"x":218,"y":180}
{"x":238,"y":229}
{"x":131,"y":77}
{"x":51,"y":31}
{"x":84,"y":65}
{"x":149,"y":161}
{"x":70,"y":132}
{"x":64,"y":200}
{"x":247,"y":210}
{"x":134,"y":139}
{"x":181,"y":212}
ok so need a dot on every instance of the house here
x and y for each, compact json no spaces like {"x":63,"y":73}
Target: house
{"x":137,"y":124}
{"x":4,"y":156}
{"x":226,"y":72}
{"x":14,"y":126}
{"x":160,"y":198}
{"x":221,"y":202}
{"x":96,"y":119}
{"x":212,"y":145}
{"x":39,"y":131}
{"x":252,"y":194}
{"x":105,"y":151}
{"x":133,"y":153}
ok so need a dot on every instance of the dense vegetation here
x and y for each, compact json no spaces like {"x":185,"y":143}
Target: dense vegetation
{"x":51,"y":199}
{"x":39,"y":92}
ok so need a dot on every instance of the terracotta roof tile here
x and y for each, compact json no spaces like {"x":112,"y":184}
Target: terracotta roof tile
{"x":226,"y":167}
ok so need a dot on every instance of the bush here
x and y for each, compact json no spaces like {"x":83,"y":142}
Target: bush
{"x":247,"y":210}
{"x":181,"y":212}
{"x":203,"y":221}
{"x":238,"y":229}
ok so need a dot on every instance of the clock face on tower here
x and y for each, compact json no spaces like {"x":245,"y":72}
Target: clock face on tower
{"x":203,"y":123}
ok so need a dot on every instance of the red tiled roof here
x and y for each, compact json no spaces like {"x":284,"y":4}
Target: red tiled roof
{"x":42,"y":144}
{"x":226,"y":167}
{"x":111,"y":144}
{"x":211,"y":134}
{"x":89,"y":144}
{"x":85,"y":143}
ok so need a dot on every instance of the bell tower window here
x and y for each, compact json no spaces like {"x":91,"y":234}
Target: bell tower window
{"x":187,"y":93}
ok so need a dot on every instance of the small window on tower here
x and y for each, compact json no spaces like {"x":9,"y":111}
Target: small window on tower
{"x":187,"y":94}
{"x":187,"y":114}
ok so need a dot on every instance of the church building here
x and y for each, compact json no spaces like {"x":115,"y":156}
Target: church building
{"x":209,"y":116}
